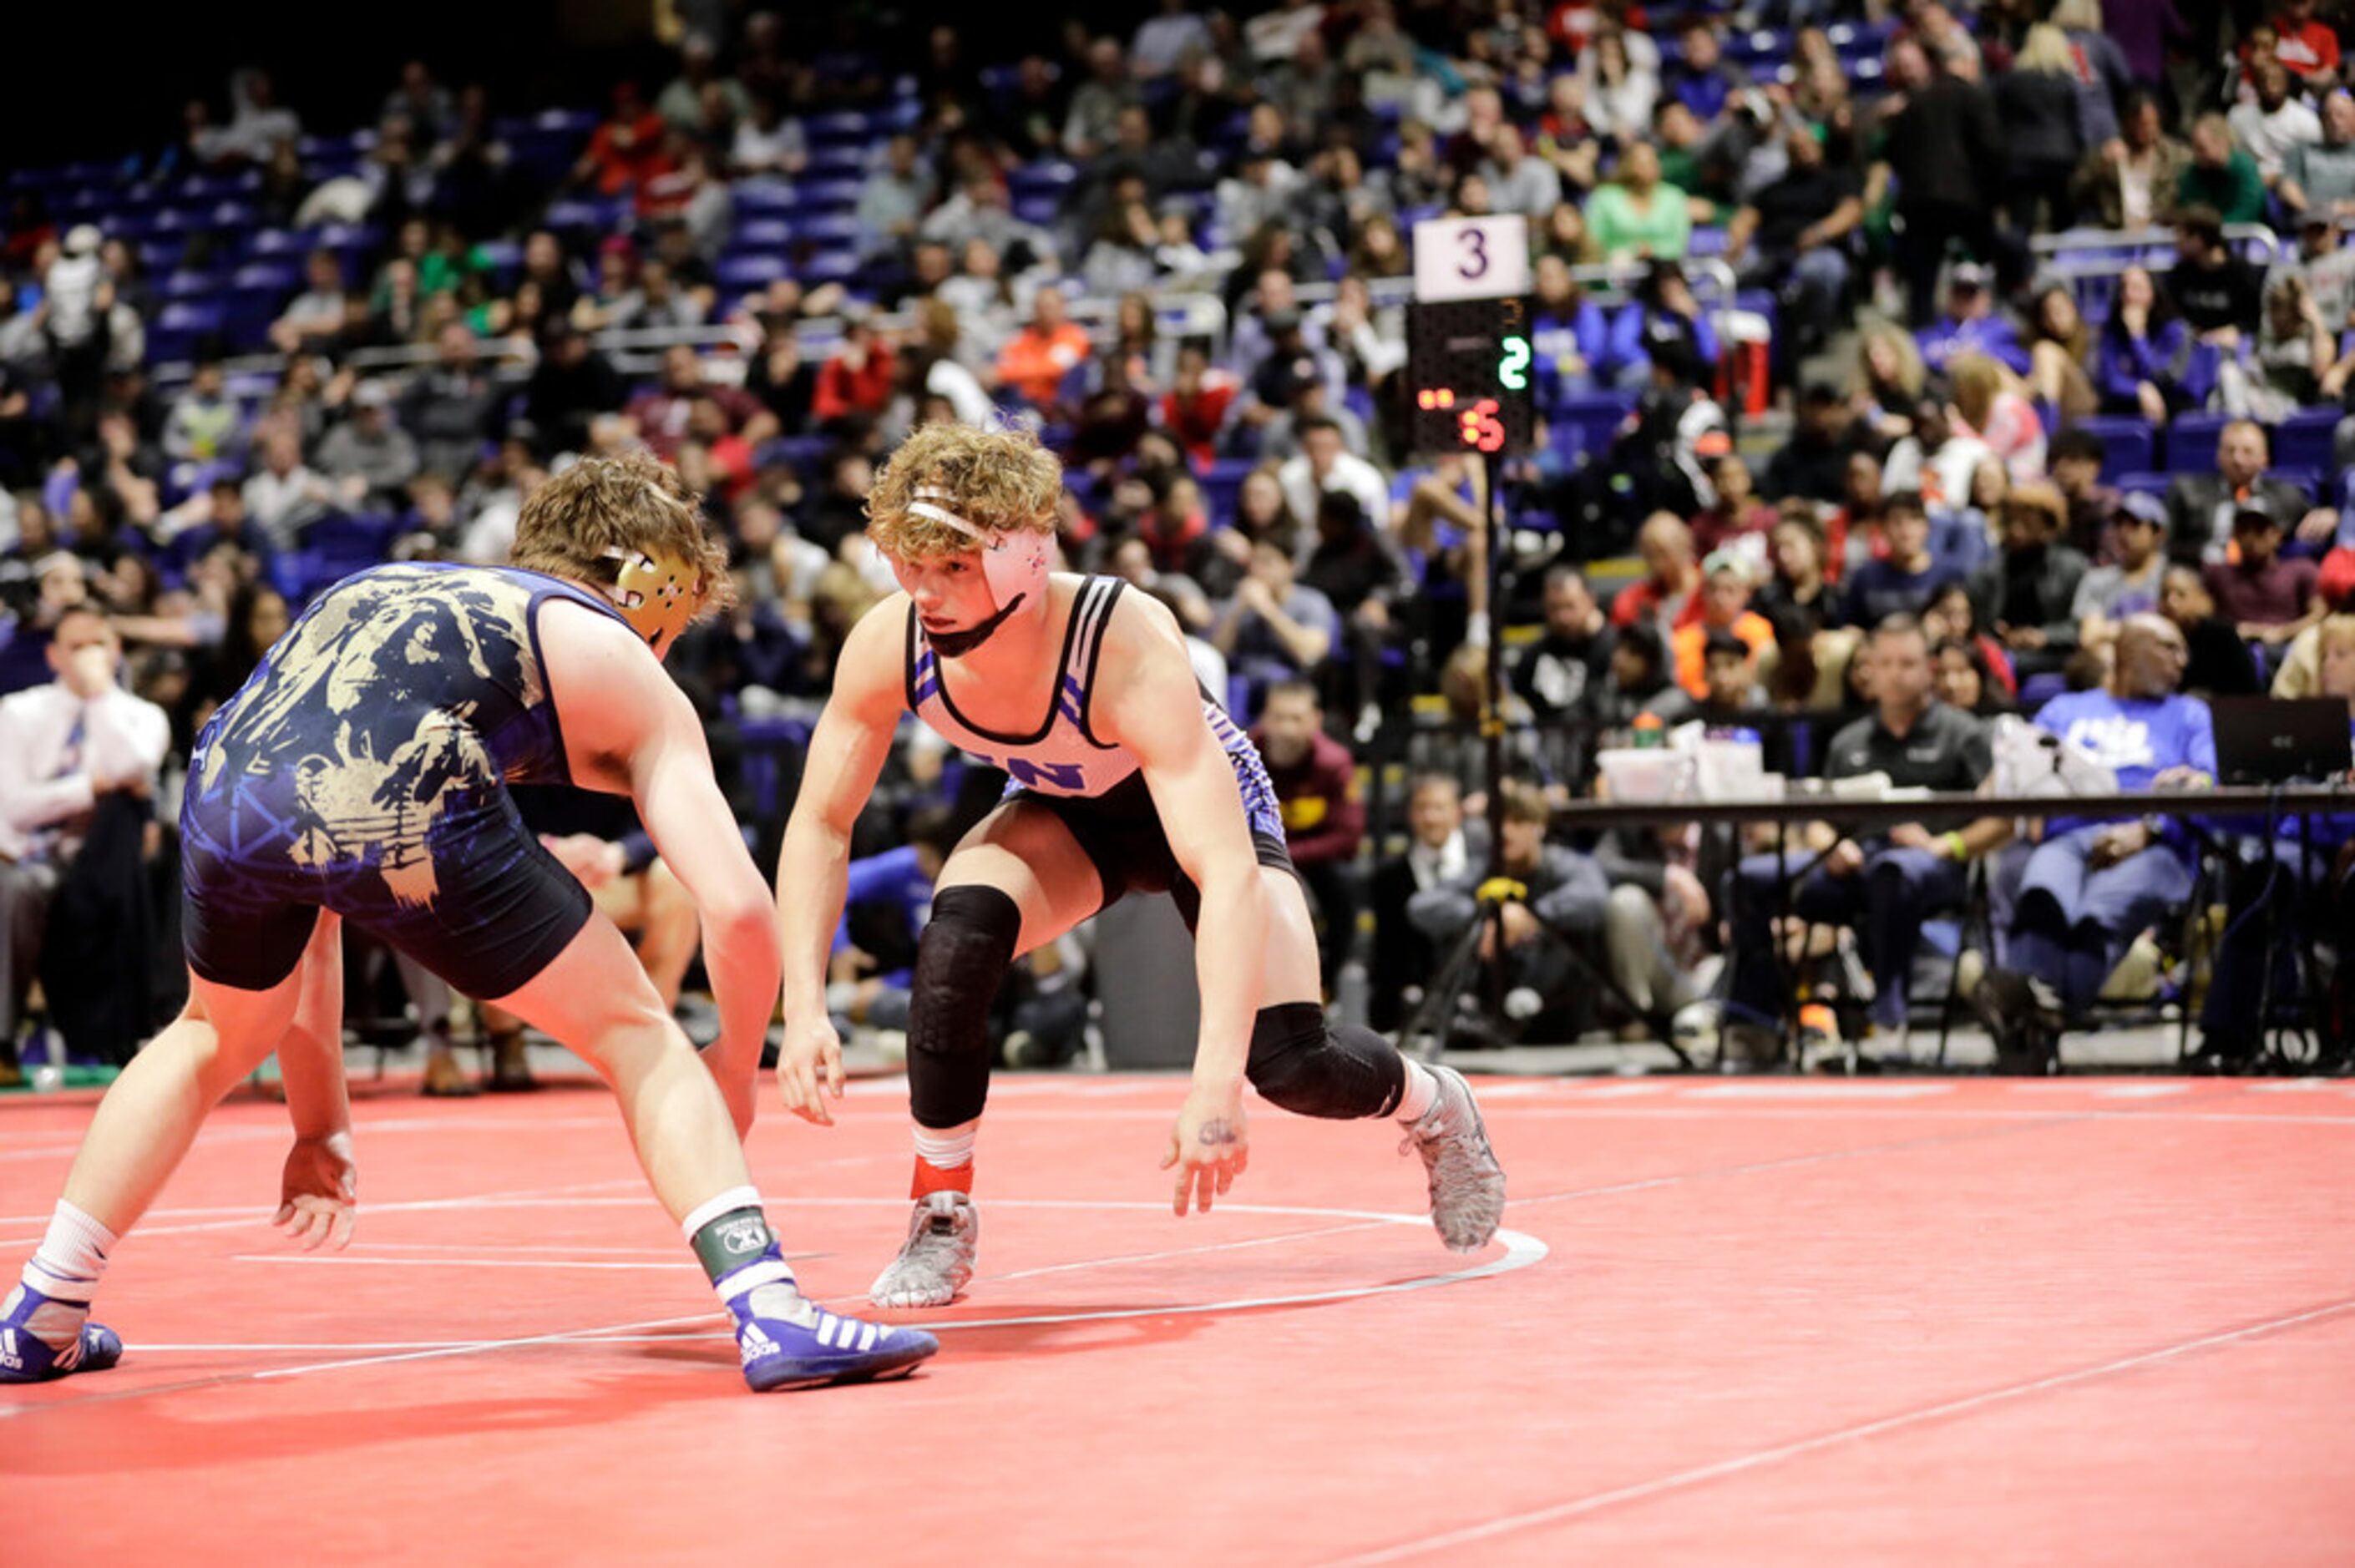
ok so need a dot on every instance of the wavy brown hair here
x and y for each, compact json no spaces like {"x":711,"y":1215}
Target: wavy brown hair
{"x":633,"y":502}
{"x":995,"y":477}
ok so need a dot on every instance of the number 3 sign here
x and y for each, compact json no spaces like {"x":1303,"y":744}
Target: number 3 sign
{"x":1472,"y":258}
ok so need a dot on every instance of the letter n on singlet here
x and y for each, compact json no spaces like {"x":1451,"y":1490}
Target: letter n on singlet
{"x":1053,"y":775}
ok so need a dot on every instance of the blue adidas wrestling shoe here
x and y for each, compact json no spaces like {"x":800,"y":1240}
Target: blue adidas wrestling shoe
{"x":26,"y":1356}
{"x":801,"y":1345}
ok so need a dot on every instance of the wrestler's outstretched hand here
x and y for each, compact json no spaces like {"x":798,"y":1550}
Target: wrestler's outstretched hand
{"x":1210,"y":1146}
{"x":318,"y":1198}
{"x":811,"y":1054}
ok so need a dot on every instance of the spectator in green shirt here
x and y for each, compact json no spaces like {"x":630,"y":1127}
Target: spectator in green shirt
{"x":1639,"y":214}
{"x":2221,"y":175}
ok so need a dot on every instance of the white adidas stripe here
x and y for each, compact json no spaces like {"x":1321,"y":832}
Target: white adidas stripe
{"x":867,"y":1339}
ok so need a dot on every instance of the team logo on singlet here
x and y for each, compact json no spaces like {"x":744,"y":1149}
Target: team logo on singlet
{"x":349,"y":708}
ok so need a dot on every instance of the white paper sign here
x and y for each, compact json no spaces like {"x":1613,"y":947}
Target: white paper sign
{"x":1472,"y":258}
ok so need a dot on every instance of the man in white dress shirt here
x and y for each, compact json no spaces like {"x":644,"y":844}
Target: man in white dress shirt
{"x":78,"y":763}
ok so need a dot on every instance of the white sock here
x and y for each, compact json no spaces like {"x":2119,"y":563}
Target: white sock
{"x":72,"y":1256}
{"x":1421,"y":1088}
{"x":66,"y":1269}
{"x":946,"y":1149}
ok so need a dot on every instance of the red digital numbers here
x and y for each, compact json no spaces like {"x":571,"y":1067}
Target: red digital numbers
{"x":1479,"y":428}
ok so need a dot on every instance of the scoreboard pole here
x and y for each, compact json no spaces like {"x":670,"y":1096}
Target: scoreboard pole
{"x":1469,"y":368}
{"x":1468,"y":371}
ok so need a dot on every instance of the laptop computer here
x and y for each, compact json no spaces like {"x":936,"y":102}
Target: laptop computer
{"x":2268,"y":740}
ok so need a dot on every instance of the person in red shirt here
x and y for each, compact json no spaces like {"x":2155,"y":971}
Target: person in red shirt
{"x":857,"y":377}
{"x":1671,"y":577}
{"x":1194,"y":410}
{"x":1036,"y":359}
{"x":1315,"y":781}
{"x":627,"y":149}
{"x":2307,"y":46}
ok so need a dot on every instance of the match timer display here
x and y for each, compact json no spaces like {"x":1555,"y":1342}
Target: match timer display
{"x":1468,"y":376}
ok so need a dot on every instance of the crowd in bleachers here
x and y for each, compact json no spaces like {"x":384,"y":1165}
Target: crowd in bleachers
{"x":2008,"y":325}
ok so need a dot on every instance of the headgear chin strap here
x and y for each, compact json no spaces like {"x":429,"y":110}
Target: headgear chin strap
{"x":1013,"y":560}
{"x":657,"y":595}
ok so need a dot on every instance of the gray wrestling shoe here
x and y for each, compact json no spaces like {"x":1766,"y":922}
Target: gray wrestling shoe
{"x":937,"y":1261}
{"x":1467,"y":1185}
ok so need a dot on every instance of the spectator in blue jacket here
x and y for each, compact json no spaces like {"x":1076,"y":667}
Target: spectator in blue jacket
{"x":2143,"y":359}
{"x":1973,"y":324}
{"x":2091,"y":887}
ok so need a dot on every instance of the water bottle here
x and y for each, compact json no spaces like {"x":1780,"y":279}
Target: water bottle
{"x":1651,"y":733}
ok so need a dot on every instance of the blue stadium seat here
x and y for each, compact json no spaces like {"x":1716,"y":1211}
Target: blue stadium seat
{"x":845,"y":160}
{"x":2145,"y":483}
{"x":742,"y":273}
{"x":181,"y":284}
{"x":760,"y":234}
{"x":829,"y":267}
{"x":2129,"y":444}
{"x":2191,"y":442}
{"x":825,"y":196}
{"x":181,"y":325}
{"x":830,"y":230}
{"x":585,"y":217}
{"x":763,"y":197}
{"x":296,"y":242}
{"x":2303,"y":440}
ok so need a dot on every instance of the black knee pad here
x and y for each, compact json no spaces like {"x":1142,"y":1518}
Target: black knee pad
{"x":961,"y":960}
{"x":1310,"y":1068}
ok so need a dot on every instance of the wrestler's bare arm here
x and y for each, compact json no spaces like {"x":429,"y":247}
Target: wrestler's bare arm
{"x":628,"y":729}
{"x":846,"y":754}
{"x":1149,"y":703}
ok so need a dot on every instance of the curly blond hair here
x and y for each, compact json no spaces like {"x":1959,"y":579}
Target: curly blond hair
{"x":634,"y":503}
{"x":994,"y":479}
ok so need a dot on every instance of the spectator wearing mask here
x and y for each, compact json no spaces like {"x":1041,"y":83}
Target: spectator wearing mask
{"x":1315,"y":781}
{"x":2090,"y":889}
{"x":1889,"y":884}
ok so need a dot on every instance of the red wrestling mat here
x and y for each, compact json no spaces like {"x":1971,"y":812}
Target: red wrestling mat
{"x":1733,"y":1322}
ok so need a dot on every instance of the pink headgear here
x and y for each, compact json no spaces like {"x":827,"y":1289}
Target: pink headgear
{"x":1013,"y":560}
